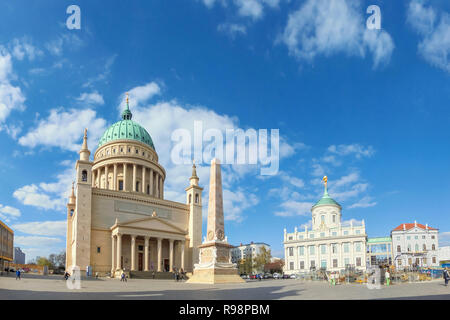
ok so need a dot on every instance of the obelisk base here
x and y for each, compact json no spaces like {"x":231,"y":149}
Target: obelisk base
{"x":215,"y":265}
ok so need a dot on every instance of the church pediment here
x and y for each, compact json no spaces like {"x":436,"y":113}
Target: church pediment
{"x":151,"y":223}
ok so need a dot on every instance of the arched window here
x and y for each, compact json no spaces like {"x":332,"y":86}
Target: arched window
{"x":84,"y":176}
{"x":433,"y":247}
{"x":196,"y":198}
{"x":71,"y":212}
{"x":322,"y":219}
{"x":190,"y":198}
{"x":120,"y":185}
{"x":334,"y":218}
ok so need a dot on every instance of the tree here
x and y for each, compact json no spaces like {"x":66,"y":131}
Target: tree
{"x":42,"y":261}
{"x":246,"y":265}
{"x":276,"y":266}
{"x":262,"y":259}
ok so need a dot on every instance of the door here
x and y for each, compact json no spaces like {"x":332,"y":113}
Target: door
{"x":140,"y":260}
{"x":166,"y":265}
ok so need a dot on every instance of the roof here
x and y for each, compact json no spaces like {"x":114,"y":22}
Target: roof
{"x":126,"y":129}
{"x":326,"y":200}
{"x":6,"y":227}
{"x":409,"y":226}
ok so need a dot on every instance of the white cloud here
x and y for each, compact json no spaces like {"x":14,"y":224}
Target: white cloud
{"x":365,"y":202}
{"x":253,"y":9}
{"x":142,"y":94}
{"x":48,"y":196}
{"x":11,"y":97}
{"x":435,"y":32}
{"x":232,"y":29}
{"x":42,"y":228}
{"x":91,"y":98}
{"x":64,"y":129}
{"x":325,"y":28}
{"x":23,"y":48}
{"x":7,"y":213}
{"x":355,"y":149}
{"x":57,"y":46}
{"x":294,"y":208}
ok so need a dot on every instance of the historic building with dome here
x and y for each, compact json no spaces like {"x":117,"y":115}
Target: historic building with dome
{"x":117,"y":217}
{"x":329,"y":244}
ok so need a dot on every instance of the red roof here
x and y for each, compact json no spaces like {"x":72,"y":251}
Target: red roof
{"x":412,"y":225}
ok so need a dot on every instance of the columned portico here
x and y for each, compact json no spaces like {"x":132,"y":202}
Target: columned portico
{"x":159,"y":254}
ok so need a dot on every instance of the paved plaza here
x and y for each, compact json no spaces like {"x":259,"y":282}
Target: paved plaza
{"x":53,"y":287}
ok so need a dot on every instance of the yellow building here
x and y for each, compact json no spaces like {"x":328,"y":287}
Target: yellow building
{"x":117,"y":217}
{"x":6,"y":246}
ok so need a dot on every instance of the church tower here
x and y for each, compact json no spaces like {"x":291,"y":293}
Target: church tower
{"x":194,"y":200}
{"x":83,"y":204}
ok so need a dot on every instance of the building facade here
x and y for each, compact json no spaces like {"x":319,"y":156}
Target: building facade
{"x":117,"y":216}
{"x":330,"y":244}
{"x":6,"y":245}
{"x":19,"y":256}
{"x":415,"y":245}
{"x":244,"y":251}
{"x":379,"y":251}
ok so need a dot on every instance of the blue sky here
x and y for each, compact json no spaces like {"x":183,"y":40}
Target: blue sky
{"x":367,"y":108}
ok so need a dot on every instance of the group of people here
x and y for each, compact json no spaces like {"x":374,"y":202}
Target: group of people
{"x":179,"y":274}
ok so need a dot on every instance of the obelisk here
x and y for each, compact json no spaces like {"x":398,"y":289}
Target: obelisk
{"x":215,"y":260}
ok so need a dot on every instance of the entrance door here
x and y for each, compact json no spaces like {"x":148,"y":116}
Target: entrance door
{"x":166,"y":265}
{"x":140,"y":260}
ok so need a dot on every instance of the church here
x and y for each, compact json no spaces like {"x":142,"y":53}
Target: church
{"x":117,"y":217}
{"x":330,"y":244}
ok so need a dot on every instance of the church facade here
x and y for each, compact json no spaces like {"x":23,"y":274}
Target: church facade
{"x":329,"y":244}
{"x":117,"y":217}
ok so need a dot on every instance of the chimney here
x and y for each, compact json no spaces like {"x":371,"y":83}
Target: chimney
{"x":426,"y":227}
{"x":404,"y":227}
{"x":415,"y":223}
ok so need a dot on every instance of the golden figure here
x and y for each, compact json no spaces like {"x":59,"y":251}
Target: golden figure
{"x":325,"y":180}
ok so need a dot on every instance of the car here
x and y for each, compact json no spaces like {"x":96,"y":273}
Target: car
{"x":285,"y":276}
{"x":268,"y":276}
{"x":276,"y":276}
{"x":293,"y":276}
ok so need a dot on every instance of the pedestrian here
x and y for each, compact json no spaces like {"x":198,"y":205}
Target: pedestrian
{"x":446,"y":276}
{"x":153,"y":274}
{"x":387,"y":275}
{"x":182,"y":274}
{"x":18,"y":274}
{"x":123,"y":276}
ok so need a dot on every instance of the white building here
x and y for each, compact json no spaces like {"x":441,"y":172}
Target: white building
{"x":415,"y":245}
{"x":330,"y":244}
{"x":243,"y":251}
{"x":444,"y":254}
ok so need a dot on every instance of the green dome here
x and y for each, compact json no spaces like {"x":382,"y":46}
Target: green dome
{"x":126,"y":129}
{"x":326,"y":200}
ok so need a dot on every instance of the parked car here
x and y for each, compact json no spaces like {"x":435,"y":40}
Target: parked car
{"x":293,"y":276}
{"x":285,"y":276}
{"x":268,"y":276}
{"x":276,"y":276}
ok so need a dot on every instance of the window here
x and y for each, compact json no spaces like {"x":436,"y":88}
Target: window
{"x":301,"y":250}
{"x":335,"y":263}
{"x":137,"y":185}
{"x":190,"y":198}
{"x":98,"y":249}
{"x":358,"y":231}
{"x":399,"y":262}
{"x":358,"y":261}
{"x":71,"y":212}
{"x":322,"y":234}
{"x":398,"y":238}
{"x":432,"y":237}
{"x":408,"y":237}
{"x":148,"y":191}
{"x":291,"y":266}
{"x":137,"y":151}
{"x":416,"y":247}
{"x":334,"y":248}
{"x":196,"y":198}
{"x":323,"y":264}
{"x":291,"y":252}
{"x":311,"y":250}
{"x":409,"y":247}
{"x":346,"y":248}
{"x":313,"y":264}
{"x":345,"y":233}
{"x":433,"y":247}
{"x":416,"y":237}
{"x":334,"y":233}
{"x":346,"y":261}
{"x":300,"y":236}
{"x":323,"y":249}
{"x":84,"y":176}
{"x":424,"y":247}
{"x":358,"y":246}
{"x":302,"y":265}
{"x":322,"y":219}
{"x":434,"y":260}
{"x":120,"y":184}
{"x":290,"y":238}
{"x":311,"y":235}
{"x":141,"y":248}
{"x":423,"y":237}
{"x":399,"y":249}
{"x":334,"y":218}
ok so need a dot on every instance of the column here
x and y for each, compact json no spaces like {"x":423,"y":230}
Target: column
{"x":307,"y":265}
{"x":171,"y":255}
{"x":146,"y":253}
{"x":352,"y":254}
{"x":161,"y":187}
{"x":330,"y":260}
{"x":143,"y":179}
{"x":113,"y":245}
{"x":119,"y":251}
{"x":341,"y":258}
{"x":156,"y":186}
{"x":133,"y":253}
{"x":159,"y":254}
{"x":106,"y":177}
{"x":151,"y":181}
{"x":98,"y":177}
{"x":124,"y":177}
{"x":296,"y":263}
{"x":182,"y":254}
{"x":93,"y":178}
{"x":115,"y":177}
{"x":134,"y":179}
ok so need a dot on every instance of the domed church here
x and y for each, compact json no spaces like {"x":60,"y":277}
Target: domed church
{"x":117,"y":217}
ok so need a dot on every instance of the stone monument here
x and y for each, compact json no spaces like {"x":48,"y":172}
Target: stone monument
{"x":215,"y":260}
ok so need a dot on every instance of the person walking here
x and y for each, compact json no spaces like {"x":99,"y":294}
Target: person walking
{"x":18,"y":274}
{"x":446,"y":276}
{"x":387,"y":275}
{"x":123,"y":276}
